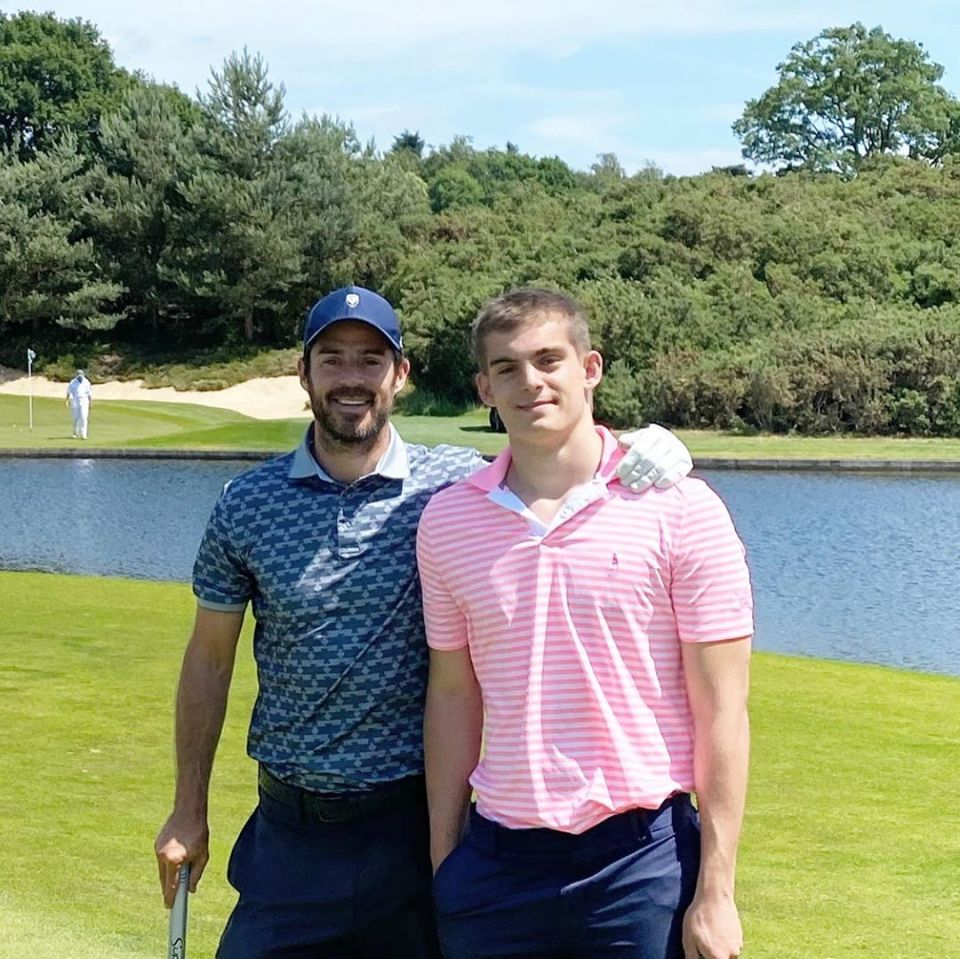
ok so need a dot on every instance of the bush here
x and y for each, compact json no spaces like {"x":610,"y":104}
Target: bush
{"x":619,"y":401}
{"x":425,"y":402}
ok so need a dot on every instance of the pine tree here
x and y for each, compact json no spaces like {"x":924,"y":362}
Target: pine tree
{"x":236,"y":247}
{"x":50,"y":274}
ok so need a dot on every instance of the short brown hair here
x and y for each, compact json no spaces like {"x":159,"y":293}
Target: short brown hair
{"x":512,"y":309}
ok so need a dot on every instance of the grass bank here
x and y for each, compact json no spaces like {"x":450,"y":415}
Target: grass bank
{"x":150,"y":425}
{"x":850,"y":846}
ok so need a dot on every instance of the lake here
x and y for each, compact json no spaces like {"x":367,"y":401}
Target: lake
{"x":848,"y":566}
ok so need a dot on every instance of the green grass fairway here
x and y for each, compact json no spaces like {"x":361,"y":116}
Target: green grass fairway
{"x":125,"y":424}
{"x":87,"y":674}
{"x":148,"y":425}
{"x":851,"y":847}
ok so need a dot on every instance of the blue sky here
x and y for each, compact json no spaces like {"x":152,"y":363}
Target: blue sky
{"x":655,"y":82}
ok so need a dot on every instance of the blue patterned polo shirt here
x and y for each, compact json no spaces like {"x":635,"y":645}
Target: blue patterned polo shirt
{"x":339,"y":642}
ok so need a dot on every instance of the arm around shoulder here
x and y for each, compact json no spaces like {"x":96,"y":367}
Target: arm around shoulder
{"x":655,"y":457}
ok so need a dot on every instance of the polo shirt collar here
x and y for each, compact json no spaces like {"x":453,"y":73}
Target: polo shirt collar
{"x":394,"y":464}
{"x":493,"y":476}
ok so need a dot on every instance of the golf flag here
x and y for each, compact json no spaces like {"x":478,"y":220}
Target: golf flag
{"x":31,"y":356}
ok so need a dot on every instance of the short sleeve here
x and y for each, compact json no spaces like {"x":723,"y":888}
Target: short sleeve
{"x":221,"y":579}
{"x":710,"y":582}
{"x":445,"y":622}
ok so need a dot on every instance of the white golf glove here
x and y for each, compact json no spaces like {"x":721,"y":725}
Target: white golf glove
{"x":655,"y":457}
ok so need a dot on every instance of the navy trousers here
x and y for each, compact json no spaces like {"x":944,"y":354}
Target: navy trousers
{"x":318,"y":890}
{"x":617,"y":891}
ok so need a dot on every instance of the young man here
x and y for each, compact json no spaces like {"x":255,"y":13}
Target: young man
{"x":334,"y":862}
{"x":599,"y":640}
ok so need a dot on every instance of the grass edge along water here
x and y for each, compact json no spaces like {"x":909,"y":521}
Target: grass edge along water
{"x":130,"y":424}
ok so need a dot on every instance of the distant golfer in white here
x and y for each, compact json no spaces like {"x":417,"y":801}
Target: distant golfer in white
{"x":79,"y":394}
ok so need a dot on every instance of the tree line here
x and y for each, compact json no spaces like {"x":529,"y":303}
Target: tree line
{"x":821,"y":296}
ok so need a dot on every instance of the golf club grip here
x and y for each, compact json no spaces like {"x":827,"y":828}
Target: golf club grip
{"x":177,"y":947}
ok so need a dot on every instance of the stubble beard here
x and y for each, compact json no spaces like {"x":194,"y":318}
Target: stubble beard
{"x":356,"y":437}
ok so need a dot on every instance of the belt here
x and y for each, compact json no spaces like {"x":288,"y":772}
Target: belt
{"x":345,"y":807}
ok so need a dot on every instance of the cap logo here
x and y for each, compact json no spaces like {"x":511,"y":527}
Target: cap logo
{"x":353,"y":301}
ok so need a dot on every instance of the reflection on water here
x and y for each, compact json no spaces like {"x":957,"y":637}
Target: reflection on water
{"x":853,"y":566}
{"x":137,"y":518}
{"x":846,"y":566}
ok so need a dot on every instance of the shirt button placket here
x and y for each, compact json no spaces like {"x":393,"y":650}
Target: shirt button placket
{"x":348,"y":544}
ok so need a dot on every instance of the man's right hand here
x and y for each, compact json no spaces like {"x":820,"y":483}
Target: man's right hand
{"x":182,"y":839}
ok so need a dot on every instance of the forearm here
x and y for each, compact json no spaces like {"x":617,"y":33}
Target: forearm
{"x":201,"y":707}
{"x":721,"y":760}
{"x":453,"y":728}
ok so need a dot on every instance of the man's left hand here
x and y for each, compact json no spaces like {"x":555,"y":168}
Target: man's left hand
{"x":655,"y":457}
{"x":712,"y":930}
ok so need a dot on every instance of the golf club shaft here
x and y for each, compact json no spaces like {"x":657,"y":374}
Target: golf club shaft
{"x":177,"y":947}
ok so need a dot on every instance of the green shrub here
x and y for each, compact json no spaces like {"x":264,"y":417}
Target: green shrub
{"x":425,"y":402}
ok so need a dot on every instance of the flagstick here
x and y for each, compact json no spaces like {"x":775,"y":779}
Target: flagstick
{"x":30,"y":385}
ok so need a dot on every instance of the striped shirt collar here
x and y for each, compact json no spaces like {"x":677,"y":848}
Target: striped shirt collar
{"x":494,"y":475}
{"x":394,"y":464}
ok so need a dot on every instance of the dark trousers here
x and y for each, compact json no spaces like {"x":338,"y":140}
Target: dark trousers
{"x":617,"y":891}
{"x":331,"y":890}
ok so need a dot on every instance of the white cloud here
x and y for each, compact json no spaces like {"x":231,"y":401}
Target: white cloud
{"x":679,"y":162}
{"x":581,"y":137}
{"x":166,"y":38}
{"x":462,"y":66}
{"x":580,"y":128}
{"x":723,"y":112}
{"x":321,"y":43}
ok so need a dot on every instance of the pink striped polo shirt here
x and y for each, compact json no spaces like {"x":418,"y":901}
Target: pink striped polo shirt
{"x":574,"y":631}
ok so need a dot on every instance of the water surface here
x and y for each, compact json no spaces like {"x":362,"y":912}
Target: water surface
{"x":845,"y":566}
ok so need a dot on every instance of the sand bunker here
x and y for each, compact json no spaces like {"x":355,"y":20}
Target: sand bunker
{"x":266,"y":398}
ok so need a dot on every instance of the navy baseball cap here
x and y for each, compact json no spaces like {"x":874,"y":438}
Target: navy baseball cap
{"x":353,"y":303}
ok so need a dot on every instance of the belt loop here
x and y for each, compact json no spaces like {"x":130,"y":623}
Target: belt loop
{"x":641,"y":821}
{"x":680,"y":807}
{"x":484,"y":833}
{"x":301,"y":806}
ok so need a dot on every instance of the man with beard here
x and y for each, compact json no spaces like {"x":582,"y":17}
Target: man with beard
{"x":334,"y":861}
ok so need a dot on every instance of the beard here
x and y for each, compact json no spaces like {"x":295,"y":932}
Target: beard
{"x":354,"y":432}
